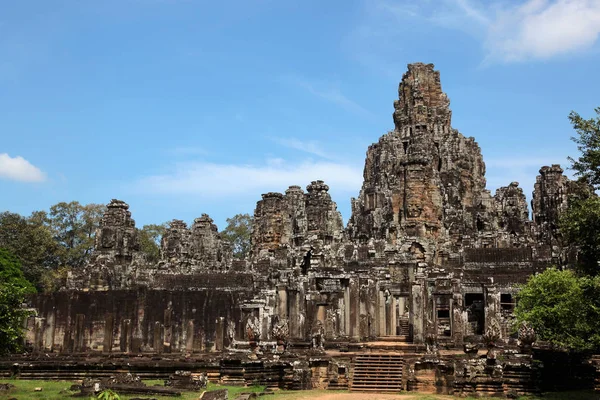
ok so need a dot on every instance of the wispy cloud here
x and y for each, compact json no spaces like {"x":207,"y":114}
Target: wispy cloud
{"x":509,"y":31}
{"x":19,"y":169}
{"x":328,"y":93}
{"x":311,"y":146}
{"x":212,"y":180}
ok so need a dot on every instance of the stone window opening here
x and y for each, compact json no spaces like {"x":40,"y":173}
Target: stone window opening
{"x":480,"y":225}
{"x":442,"y":313}
{"x":306,"y":261}
{"x":507,"y":302}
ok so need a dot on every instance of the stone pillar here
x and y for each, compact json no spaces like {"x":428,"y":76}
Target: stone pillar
{"x":417,"y":312}
{"x":371,"y":301}
{"x":282,"y":302}
{"x":457,"y":307}
{"x":189,"y":337}
{"x":394,"y":312}
{"x":79,"y":333}
{"x":125,"y":339}
{"x":168,"y":328}
{"x":219,"y":333}
{"x":347,"y":321}
{"x":354,"y":308}
{"x":492,"y":305}
{"x":158,"y":340}
{"x":321,"y":313}
{"x":38,"y":333}
{"x":107,"y":343}
{"x":49,"y":332}
{"x":381,"y":314}
{"x":67,"y":346}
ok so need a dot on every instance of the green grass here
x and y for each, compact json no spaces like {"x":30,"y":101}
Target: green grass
{"x":58,"y":390}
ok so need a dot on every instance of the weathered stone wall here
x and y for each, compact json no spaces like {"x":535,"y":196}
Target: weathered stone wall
{"x":136,"y":321}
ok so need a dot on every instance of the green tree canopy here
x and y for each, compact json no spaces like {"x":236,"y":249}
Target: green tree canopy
{"x":74,"y":228}
{"x":31,"y":241}
{"x":587,"y":166}
{"x":239,"y":233}
{"x":563,"y":308}
{"x":13,"y":289}
{"x":150,"y":237}
{"x":580,"y":225}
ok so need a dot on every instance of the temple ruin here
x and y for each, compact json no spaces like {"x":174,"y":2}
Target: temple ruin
{"x":428,"y":263}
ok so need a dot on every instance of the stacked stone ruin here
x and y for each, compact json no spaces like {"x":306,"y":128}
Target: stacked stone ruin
{"x":429,"y":255}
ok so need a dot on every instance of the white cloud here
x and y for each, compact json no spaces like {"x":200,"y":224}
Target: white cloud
{"x":19,"y":169}
{"x":311,"y":146}
{"x":213,"y":180}
{"x":509,"y":31}
{"x":542,"y":29}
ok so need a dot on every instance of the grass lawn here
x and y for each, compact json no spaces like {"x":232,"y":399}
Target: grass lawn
{"x":57,"y":390}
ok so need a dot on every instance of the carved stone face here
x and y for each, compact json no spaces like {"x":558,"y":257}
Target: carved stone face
{"x":109,"y":237}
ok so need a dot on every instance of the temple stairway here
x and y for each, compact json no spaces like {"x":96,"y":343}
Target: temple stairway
{"x":377,"y":373}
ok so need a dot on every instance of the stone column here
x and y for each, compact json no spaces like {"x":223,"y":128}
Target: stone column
{"x":189,"y":337}
{"x":79,"y":333}
{"x":49,"y":332}
{"x":126,"y":334}
{"x":346,"y":328}
{"x":107,"y":342}
{"x":354,"y":308}
{"x":38,"y":333}
{"x":394,"y":312}
{"x":457,"y":307}
{"x":282,"y":302}
{"x":168,"y":328}
{"x":416,"y":316}
{"x":381,"y":315}
{"x":219,"y":333}
{"x":158,"y":340}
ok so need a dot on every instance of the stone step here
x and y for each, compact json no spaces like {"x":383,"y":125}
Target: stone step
{"x":377,"y":373}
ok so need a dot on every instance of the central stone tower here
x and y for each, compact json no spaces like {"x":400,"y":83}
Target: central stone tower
{"x":424,"y":181}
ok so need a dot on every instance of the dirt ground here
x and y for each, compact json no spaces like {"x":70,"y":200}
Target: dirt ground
{"x":363,"y":396}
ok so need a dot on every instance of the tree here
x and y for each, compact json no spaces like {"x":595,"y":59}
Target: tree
{"x":31,"y":241}
{"x":587,"y":166}
{"x":150,"y":237}
{"x":580,"y":225}
{"x":239,"y":232}
{"x":12,"y":273}
{"x":74,"y":228}
{"x":563,"y":308}
{"x":13,"y":289}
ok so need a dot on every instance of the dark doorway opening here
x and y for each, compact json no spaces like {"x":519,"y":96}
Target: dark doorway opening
{"x":475,"y":309}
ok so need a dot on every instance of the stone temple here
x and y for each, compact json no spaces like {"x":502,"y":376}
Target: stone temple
{"x":428,"y":262}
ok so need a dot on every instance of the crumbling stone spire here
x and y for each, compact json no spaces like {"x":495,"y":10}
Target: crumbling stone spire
{"x":117,"y":232}
{"x":421,"y":100}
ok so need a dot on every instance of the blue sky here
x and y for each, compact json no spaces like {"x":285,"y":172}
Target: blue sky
{"x":188,"y":107}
